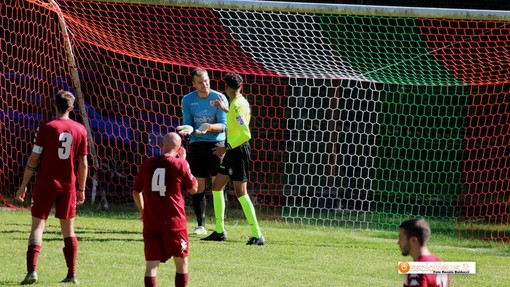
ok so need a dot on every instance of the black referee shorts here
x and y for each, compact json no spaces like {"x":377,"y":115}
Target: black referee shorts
{"x":236,"y":163}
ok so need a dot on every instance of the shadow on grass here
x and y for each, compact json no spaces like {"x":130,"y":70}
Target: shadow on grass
{"x":91,"y":238}
{"x":9,"y":283}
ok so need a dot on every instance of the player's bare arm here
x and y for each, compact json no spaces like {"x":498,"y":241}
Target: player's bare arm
{"x":220,"y":105}
{"x":194,"y":189}
{"x":30,"y":169}
{"x":181,"y":152}
{"x":83,"y":168}
{"x":138,"y":199}
{"x":219,"y":151}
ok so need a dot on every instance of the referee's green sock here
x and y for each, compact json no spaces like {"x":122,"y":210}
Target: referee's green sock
{"x":219,"y":210}
{"x":249,"y":212}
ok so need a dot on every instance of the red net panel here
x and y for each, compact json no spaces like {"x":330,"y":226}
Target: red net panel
{"x":134,"y":62}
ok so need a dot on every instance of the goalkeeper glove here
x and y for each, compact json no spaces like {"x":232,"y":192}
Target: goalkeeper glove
{"x":204,"y":128}
{"x":185,"y":130}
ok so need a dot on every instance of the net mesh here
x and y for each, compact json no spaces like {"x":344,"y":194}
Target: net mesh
{"x":358,"y":121}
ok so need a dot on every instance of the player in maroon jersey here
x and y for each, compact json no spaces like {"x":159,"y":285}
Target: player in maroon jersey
{"x":157,"y":193}
{"x":413,"y":240}
{"x":58,"y":144}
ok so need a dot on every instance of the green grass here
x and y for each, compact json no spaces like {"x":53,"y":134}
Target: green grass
{"x":111,"y":254}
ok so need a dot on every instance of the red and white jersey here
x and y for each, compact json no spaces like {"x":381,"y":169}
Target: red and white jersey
{"x":59,"y":142}
{"x":427,"y":280}
{"x":161,"y":180}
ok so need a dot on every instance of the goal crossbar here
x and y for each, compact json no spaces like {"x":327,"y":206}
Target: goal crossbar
{"x":338,"y":9}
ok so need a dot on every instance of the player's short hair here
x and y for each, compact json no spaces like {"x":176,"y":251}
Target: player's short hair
{"x":197,"y":72}
{"x":233,"y":80}
{"x":417,"y":227}
{"x":63,"y":100}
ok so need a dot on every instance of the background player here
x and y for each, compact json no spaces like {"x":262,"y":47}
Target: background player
{"x":205,"y":123}
{"x":236,"y":162}
{"x":58,"y":144}
{"x":157,"y":193}
{"x":413,"y":240}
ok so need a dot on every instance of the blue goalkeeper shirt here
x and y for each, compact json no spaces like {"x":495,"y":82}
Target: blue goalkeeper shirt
{"x":197,"y":111}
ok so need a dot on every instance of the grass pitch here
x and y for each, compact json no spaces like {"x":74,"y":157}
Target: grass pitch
{"x":111,"y":254}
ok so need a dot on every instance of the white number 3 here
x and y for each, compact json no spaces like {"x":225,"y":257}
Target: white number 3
{"x":66,"y":140}
{"x":158,"y":181}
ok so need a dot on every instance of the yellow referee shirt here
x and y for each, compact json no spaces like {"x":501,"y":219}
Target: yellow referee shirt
{"x":238,"y":122}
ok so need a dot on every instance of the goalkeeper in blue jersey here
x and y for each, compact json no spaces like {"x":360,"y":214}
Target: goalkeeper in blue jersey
{"x":205,"y":124}
{"x":236,"y":162}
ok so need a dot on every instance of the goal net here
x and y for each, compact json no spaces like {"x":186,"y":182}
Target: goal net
{"x":362,"y":116}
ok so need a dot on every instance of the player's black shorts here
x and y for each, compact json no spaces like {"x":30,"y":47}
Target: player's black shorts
{"x":202,"y":161}
{"x":236,"y":163}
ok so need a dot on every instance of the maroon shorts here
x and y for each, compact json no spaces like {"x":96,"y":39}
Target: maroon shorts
{"x":43,"y":200}
{"x":161,"y":246}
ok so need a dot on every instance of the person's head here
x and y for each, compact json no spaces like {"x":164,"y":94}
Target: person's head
{"x":171,"y":142}
{"x":63,"y":101}
{"x":200,"y":81}
{"x":413,"y":235}
{"x":233,"y":83}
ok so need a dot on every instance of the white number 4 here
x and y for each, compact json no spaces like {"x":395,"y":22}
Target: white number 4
{"x":158,"y":181}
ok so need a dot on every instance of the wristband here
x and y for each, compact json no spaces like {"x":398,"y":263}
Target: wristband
{"x":31,"y":168}
{"x":82,"y":190}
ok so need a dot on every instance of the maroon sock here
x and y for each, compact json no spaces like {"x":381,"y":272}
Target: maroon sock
{"x":32,"y":257}
{"x":150,"y":281}
{"x":181,"y":280}
{"x":70,"y":253}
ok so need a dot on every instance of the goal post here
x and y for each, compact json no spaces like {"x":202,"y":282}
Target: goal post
{"x":362,"y":115}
